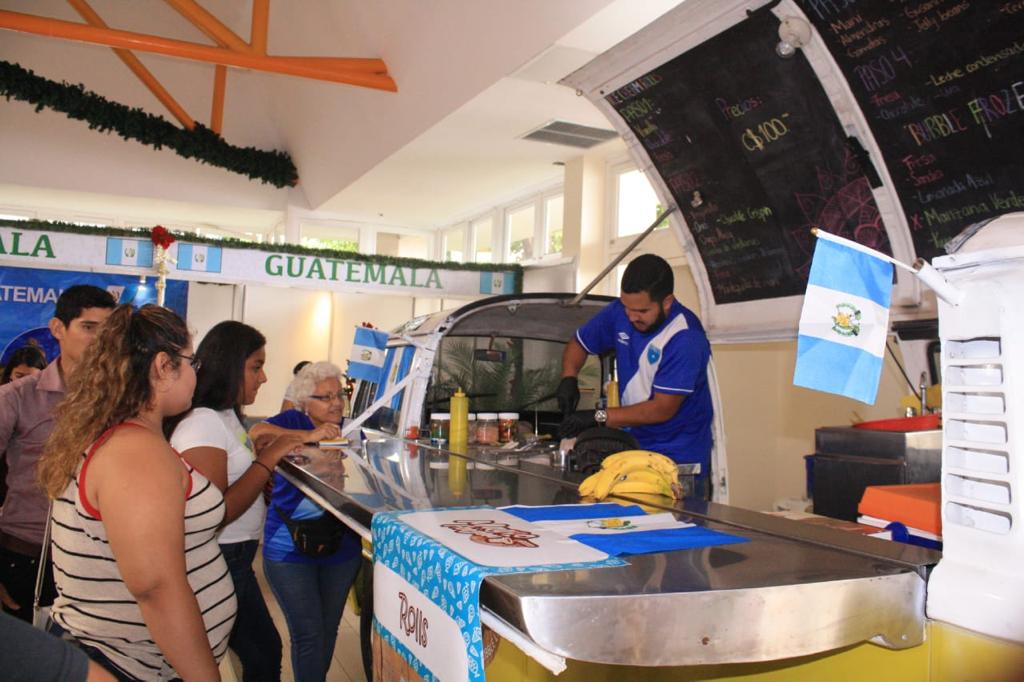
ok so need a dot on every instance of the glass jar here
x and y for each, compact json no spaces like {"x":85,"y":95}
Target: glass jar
{"x":487,"y":428}
{"x":508,"y":423}
{"x":471,"y":420}
{"x":439,"y":424}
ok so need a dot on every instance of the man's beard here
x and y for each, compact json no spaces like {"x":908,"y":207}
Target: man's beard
{"x":657,"y":323}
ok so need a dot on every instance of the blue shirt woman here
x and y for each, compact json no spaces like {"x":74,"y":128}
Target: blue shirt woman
{"x":310,"y":589}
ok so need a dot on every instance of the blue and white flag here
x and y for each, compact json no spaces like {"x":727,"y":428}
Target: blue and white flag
{"x":844,"y":322}
{"x":368,"y":350}
{"x":199,"y":257}
{"x":494,"y":283}
{"x":132,"y":252}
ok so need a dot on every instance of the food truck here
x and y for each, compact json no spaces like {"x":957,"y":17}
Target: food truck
{"x":889,"y":124}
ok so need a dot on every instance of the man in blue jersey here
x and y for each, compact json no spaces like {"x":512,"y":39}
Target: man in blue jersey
{"x":662,"y":354}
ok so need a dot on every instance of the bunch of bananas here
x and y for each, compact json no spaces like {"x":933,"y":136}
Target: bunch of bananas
{"x":633,"y":471}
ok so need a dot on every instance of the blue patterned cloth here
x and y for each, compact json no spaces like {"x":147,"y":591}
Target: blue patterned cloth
{"x":450,"y":581}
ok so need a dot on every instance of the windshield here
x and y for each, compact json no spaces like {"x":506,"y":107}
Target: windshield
{"x":505,"y":374}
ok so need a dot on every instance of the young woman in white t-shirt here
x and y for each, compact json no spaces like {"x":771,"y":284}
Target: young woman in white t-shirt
{"x":212,"y":439}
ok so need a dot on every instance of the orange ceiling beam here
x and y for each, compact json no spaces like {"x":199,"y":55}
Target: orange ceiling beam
{"x":369,"y":73}
{"x":133,"y":63}
{"x":209,"y":24}
{"x":260,"y":20}
{"x":220,"y":81}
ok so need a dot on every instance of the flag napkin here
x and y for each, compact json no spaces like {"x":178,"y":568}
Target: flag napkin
{"x":619,"y":530}
{"x":844,"y":321}
{"x":368,"y":350}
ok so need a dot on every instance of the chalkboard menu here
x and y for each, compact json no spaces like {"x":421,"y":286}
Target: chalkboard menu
{"x":751,"y":150}
{"x":942,"y":85}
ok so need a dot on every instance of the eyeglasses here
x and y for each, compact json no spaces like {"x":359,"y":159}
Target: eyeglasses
{"x":328,"y":397}
{"x":192,"y":360}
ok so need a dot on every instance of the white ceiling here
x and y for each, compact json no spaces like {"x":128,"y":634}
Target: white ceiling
{"x":473,"y":77}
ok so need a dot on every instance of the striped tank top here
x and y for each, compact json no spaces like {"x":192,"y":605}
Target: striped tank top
{"x":93,"y":603}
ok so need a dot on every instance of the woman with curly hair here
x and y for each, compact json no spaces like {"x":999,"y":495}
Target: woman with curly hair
{"x":212,"y":438}
{"x":311,"y":574}
{"x":142,"y":585}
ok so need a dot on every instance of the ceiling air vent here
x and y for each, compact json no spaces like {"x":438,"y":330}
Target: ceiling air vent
{"x":571,"y":134}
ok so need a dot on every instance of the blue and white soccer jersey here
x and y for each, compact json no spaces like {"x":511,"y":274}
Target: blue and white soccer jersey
{"x":670,"y":359}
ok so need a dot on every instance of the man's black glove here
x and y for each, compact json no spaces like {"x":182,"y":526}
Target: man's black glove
{"x":568,"y":395}
{"x":576,"y":423}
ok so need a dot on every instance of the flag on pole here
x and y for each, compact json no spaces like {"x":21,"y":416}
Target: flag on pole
{"x":845,"y":320}
{"x":368,"y":350}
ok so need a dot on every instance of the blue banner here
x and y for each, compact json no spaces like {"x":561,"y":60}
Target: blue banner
{"x":28,"y":299}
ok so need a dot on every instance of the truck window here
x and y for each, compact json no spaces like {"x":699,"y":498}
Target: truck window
{"x":504,"y":374}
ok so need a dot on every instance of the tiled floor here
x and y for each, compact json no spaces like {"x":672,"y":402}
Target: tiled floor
{"x":348,"y":663}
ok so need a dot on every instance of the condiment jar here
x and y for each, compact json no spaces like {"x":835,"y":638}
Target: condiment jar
{"x":487,"y":428}
{"x":508,"y":423}
{"x":439,"y":423}
{"x":471,"y":420}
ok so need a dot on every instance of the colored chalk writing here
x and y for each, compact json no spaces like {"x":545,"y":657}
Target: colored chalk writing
{"x":754,"y":156}
{"x":941,"y":83}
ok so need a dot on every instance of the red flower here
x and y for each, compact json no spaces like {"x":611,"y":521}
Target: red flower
{"x":161,"y":237}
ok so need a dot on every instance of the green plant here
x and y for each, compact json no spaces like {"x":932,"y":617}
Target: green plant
{"x":200,"y":143}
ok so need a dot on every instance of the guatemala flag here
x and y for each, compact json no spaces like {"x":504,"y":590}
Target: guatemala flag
{"x":844,"y":322}
{"x":199,"y":257}
{"x":133,"y":252}
{"x":367,"y":359}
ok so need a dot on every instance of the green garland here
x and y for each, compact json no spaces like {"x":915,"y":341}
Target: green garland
{"x":200,"y":143}
{"x":232,"y":243}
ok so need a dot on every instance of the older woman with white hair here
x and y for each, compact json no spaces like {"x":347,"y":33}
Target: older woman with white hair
{"x":309,"y":558}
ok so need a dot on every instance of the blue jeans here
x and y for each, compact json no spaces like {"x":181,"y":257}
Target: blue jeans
{"x":254,"y":637}
{"x":312,"y":597}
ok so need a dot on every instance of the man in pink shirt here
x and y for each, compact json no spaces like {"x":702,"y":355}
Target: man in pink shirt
{"x":26,"y":420}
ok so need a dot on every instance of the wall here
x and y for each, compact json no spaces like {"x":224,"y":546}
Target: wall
{"x":297,"y":324}
{"x":769,"y":423}
{"x":209,"y":304}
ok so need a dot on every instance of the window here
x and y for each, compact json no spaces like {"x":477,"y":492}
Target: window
{"x":402,"y":244}
{"x":453,"y":244}
{"x":553,"y":210}
{"x":319,"y":236}
{"x":483,"y":237}
{"x":520,"y":223}
{"x":507,"y":374}
{"x":637,"y":204}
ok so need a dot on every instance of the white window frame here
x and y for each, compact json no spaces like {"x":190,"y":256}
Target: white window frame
{"x":371,"y":233}
{"x":497,"y":234}
{"x":661,"y":242}
{"x":543,"y":239}
{"x":331,"y":224}
{"x":500,"y":233}
{"x":540,"y":204}
{"x":466,"y":227}
{"x":506,"y":248}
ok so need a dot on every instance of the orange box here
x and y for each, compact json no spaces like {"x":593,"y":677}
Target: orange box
{"x":915,"y":505}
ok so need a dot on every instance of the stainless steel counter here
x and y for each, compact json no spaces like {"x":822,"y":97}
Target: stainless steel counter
{"x":793,"y":590}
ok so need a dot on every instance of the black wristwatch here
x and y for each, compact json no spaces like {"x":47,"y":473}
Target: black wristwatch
{"x":601,"y":417}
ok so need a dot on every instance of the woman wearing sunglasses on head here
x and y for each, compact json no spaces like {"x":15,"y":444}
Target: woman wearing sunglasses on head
{"x":309,"y":558}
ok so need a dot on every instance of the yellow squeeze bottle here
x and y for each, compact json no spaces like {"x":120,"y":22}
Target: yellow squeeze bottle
{"x":611,"y":391}
{"x":459,"y":408}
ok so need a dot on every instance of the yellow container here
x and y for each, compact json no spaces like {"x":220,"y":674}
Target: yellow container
{"x":459,"y":431}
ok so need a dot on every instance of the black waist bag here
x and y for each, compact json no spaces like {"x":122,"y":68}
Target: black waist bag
{"x":317,"y":537}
